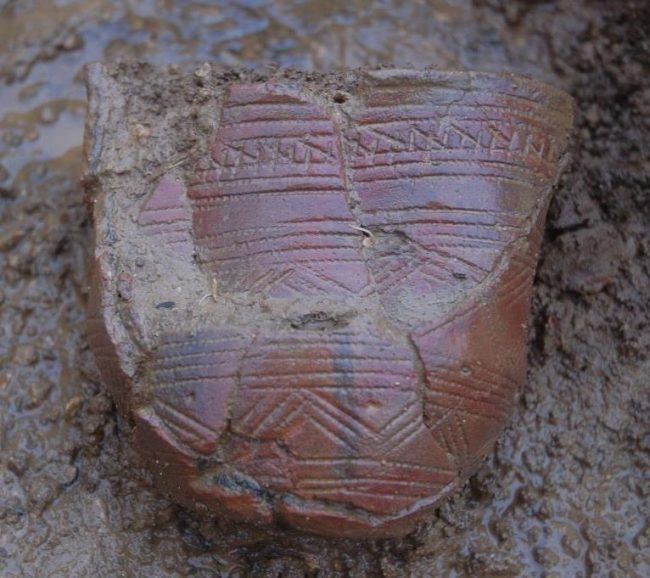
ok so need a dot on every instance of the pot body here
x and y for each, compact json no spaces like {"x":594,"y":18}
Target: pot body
{"x":311,"y":295}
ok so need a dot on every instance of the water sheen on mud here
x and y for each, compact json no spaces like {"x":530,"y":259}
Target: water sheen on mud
{"x":564,"y":493}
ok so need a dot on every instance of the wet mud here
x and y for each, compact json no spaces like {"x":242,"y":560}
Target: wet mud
{"x":566,"y":491}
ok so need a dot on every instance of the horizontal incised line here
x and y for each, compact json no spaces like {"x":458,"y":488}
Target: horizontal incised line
{"x":265,"y":121}
{"x":370,"y":493}
{"x":302,"y":175}
{"x":480,"y":387}
{"x":234,"y":104}
{"x":441,"y":161}
{"x":476,"y":94}
{"x":380,"y":464}
{"x":217,"y":191}
{"x":344,"y":228}
{"x":281,"y":252}
{"x":517,"y":119}
{"x":354,"y":358}
{"x":314,"y":482}
{"x":335,"y":338}
{"x":478,"y":370}
{"x":454,"y":176}
{"x":271,"y":238}
{"x":197,"y":380}
{"x":296,"y":137}
{"x":295,"y":182}
{"x":329,"y":388}
{"x":472,"y":237}
{"x":424,"y":209}
{"x":489,"y":394}
{"x":247,"y":195}
{"x":491,"y":411}
{"x":317,"y":374}
{"x":448,"y":222}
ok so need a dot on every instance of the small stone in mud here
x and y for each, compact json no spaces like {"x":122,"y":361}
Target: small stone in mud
{"x":546,"y":556}
{"x":72,"y":407}
{"x":67,"y":475}
{"x":124,"y":286}
{"x":18,"y":462}
{"x":10,"y":239}
{"x":42,"y":491}
{"x":48,"y":114}
{"x":38,"y":392}
{"x":26,"y":354}
{"x":100,"y":404}
{"x":93,"y":424}
{"x":72,"y":41}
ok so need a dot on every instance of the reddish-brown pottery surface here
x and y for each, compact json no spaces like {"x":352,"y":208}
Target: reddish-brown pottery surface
{"x":311,"y":293}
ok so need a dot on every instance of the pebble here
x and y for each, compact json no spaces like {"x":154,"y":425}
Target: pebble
{"x":26,"y":354}
{"x":42,"y":491}
{"x":18,"y":462}
{"x":68,"y":474}
{"x":48,"y":114}
{"x":100,"y":404}
{"x":38,"y":392}
{"x":72,"y":41}
{"x":72,"y":407}
{"x":546,"y":556}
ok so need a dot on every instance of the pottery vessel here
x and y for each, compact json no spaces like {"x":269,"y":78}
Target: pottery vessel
{"x":311,"y":294}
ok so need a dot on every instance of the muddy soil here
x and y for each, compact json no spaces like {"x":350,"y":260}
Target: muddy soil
{"x":566,"y":492}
